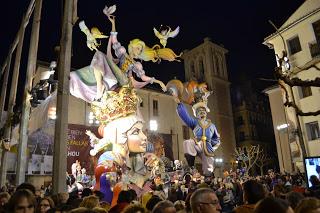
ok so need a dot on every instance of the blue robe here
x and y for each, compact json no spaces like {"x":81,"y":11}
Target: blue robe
{"x":211,"y":133}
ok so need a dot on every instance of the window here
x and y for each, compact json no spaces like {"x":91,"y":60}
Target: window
{"x":316,"y":29}
{"x":313,"y":130}
{"x":185,"y":131}
{"x":305,"y":92}
{"x":294,"y":45}
{"x":201,"y":71}
{"x":192,"y":71}
{"x":241,"y":136}
{"x":240,"y":120}
{"x":314,"y":46}
{"x":155,"y":108}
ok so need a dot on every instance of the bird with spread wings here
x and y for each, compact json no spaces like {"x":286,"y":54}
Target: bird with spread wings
{"x":163,"y":35}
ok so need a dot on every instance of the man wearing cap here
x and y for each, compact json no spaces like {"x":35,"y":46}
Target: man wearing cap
{"x":206,"y":137}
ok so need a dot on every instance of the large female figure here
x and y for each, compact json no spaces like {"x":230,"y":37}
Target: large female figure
{"x":123,"y":142}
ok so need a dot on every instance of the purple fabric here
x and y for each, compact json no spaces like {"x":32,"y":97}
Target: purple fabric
{"x":80,"y":89}
{"x":85,"y":92}
{"x":105,"y":188}
{"x":99,"y":62}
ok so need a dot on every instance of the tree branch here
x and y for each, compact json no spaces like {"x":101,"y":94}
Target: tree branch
{"x":289,"y":103}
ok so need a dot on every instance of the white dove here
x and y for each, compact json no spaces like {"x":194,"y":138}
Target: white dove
{"x":165,"y":34}
{"x":109,"y":10}
{"x":91,"y":36}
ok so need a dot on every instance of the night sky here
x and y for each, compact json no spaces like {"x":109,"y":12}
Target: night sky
{"x":240,"y":26}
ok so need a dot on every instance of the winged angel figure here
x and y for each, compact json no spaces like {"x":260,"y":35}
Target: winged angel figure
{"x":91,"y":35}
{"x":163,"y":35}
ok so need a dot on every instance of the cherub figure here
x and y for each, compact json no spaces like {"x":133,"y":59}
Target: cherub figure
{"x":91,"y":36}
{"x":163,"y":35}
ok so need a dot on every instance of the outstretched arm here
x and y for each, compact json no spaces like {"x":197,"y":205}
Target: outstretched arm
{"x":113,"y":33}
{"x":184,"y":115}
{"x":146,"y":78}
{"x":138,"y":69}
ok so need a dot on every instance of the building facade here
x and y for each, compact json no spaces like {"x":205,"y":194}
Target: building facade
{"x":253,"y":124}
{"x":299,"y":36}
{"x":284,"y":134}
{"x":207,"y":63}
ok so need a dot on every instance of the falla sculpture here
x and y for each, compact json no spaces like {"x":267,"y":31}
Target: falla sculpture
{"x":206,"y":138}
{"x":109,"y":85}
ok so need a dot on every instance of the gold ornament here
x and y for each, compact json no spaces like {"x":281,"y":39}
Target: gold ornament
{"x":114,"y":104}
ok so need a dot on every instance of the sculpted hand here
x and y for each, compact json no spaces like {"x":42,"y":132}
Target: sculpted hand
{"x":151,"y":159}
{"x":111,"y":18}
{"x":163,"y":87}
{"x":176,"y":99}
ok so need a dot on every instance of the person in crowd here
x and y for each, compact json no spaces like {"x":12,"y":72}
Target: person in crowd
{"x":133,"y":195}
{"x":164,"y":206}
{"x":294,"y":198}
{"x":45,"y":204}
{"x":124,"y":200}
{"x":28,"y":186}
{"x":99,"y":210}
{"x":81,"y":210}
{"x":74,"y":201}
{"x":279,"y":191}
{"x":22,"y":200}
{"x":180,"y":205}
{"x":134,"y":208}
{"x":90,"y":202}
{"x":252,"y":193}
{"x":272,"y":204}
{"x":314,"y":190}
{"x":204,"y":200}
{"x":154,"y":200}
{"x":99,"y":194}
{"x":105,"y":205}
{"x":4,"y":198}
{"x":308,"y":205}
{"x":86,"y":192}
{"x":63,"y":197}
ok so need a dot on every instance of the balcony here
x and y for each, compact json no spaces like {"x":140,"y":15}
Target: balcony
{"x":314,"y":48}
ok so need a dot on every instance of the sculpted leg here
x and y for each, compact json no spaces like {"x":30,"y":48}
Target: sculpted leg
{"x":100,"y":86}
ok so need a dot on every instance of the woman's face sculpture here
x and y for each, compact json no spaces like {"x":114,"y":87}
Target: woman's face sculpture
{"x":137,"y":140}
{"x":136,"y":50}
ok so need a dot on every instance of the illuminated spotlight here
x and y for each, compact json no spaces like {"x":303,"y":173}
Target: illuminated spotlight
{"x":91,"y":116}
{"x":282,"y":126}
{"x":52,"y":113}
{"x":153,"y":125}
{"x":219,"y":160}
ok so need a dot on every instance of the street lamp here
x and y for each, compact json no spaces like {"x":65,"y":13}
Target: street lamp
{"x":153,"y":125}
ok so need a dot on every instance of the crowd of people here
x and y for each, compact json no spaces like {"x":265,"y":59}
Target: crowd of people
{"x":233,"y":193}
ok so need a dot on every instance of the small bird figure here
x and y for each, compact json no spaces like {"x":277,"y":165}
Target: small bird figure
{"x":91,"y":36}
{"x":109,"y":10}
{"x":165,"y":34}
